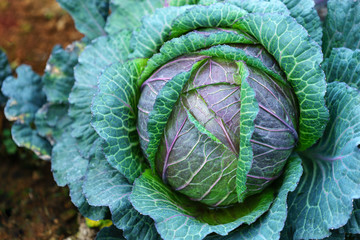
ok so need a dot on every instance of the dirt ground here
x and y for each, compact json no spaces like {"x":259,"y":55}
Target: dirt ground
{"x":31,"y":205}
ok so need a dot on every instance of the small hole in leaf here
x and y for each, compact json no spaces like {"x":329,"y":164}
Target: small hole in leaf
{"x":358,"y":146}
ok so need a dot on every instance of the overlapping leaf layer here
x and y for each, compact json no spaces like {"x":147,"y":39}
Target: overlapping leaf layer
{"x":175,"y":105}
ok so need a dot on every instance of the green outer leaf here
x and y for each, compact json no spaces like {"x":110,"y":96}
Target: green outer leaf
{"x":114,"y":111}
{"x":216,"y":15}
{"x":248,"y":112}
{"x":51,"y":121}
{"x":300,"y":59}
{"x":190,"y":43}
{"x":162,"y":109}
{"x":154,"y":31}
{"x":69,"y":168}
{"x":87,"y":15}
{"x":269,"y":225}
{"x":67,"y":165}
{"x":343,"y":65}
{"x":105,"y":186}
{"x":24,"y":136}
{"x":331,"y":180}
{"x":174,"y":214}
{"x":110,"y":233}
{"x":25,"y":95}
{"x":238,"y":54}
{"x":59,"y":78}
{"x":103,"y":52}
{"x":127,"y":14}
{"x":79,"y":200}
{"x":342,"y":25}
{"x":5,"y":71}
{"x":353,"y":225}
{"x":305,"y":14}
{"x":261,"y":6}
{"x":178,"y":3}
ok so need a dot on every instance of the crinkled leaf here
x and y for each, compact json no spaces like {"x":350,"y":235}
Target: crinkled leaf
{"x":25,"y":136}
{"x":215,"y":15}
{"x":248,"y":112}
{"x":51,"y":121}
{"x":25,"y":95}
{"x":68,"y":166}
{"x":261,"y":6}
{"x":272,"y":222}
{"x":103,"y":52}
{"x":353,"y":225}
{"x":128,"y":14}
{"x":178,"y":3}
{"x":154,"y":31}
{"x":5,"y":71}
{"x":105,"y":186}
{"x":88,"y":15}
{"x":110,"y":233}
{"x":162,"y":109}
{"x":79,"y":200}
{"x":192,"y":42}
{"x":343,"y":65}
{"x":115,"y":112}
{"x":177,"y":217}
{"x":342,"y":25}
{"x":300,"y":58}
{"x":324,"y":197}
{"x":59,"y":73}
{"x":66,"y":163}
{"x":305,"y":14}
{"x":253,"y":56}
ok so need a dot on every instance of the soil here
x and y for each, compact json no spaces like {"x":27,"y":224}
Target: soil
{"x":31,"y":204}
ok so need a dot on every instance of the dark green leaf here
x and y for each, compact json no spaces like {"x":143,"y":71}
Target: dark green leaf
{"x":305,"y":14}
{"x":105,"y":186}
{"x":110,"y":233}
{"x":24,"y":136}
{"x":215,"y":15}
{"x":272,"y":222}
{"x":25,"y":95}
{"x":115,"y":112}
{"x":342,"y":25}
{"x":343,"y":65}
{"x":88,"y":15}
{"x":58,"y":78}
{"x":154,"y":31}
{"x":128,"y":14}
{"x":177,"y":217}
{"x":5,"y":71}
{"x":300,"y":58}
{"x":353,"y":225}
{"x":324,"y":197}
{"x":66,"y":163}
{"x":103,"y":52}
{"x":79,"y":200}
{"x":51,"y":121}
{"x":261,"y":6}
{"x":248,"y":112}
{"x":192,"y":42}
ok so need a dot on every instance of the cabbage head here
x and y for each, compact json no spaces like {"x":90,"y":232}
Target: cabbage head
{"x":202,"y":119}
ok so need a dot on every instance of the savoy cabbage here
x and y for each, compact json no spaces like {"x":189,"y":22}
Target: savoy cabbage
{"x":201,"y":119}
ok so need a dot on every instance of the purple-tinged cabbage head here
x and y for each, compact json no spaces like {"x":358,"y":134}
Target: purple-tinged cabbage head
{"x":199,"y":150}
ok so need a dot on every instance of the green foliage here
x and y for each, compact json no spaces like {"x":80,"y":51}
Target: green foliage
{"x":204,"y":119}
{"x":5,"y":71}
{"x":342,"y":26}
{"x":89,"y":16}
